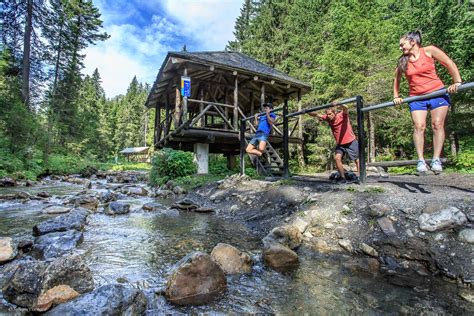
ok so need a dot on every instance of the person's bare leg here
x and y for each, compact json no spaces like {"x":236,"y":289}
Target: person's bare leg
{"x":419,"y":125}
{"x":438,"y":117}
{"x":252,"y":150}
{"x":340,"y":168}
{"x":357,"y":166}
{"x":262,"y":145}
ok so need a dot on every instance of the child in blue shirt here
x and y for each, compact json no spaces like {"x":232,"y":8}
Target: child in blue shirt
{"x":258,"y":142}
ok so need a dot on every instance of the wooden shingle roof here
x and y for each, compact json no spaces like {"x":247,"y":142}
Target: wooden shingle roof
{"x":225,"y":61}
{"x":239,"y":61}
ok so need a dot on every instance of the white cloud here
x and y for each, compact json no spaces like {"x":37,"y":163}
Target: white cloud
{"x":139,"y":51}
{"x":211,"y":22}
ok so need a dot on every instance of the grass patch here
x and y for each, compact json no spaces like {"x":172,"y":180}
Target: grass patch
{"x":373,"y":189}
{"x":125,"y":166}
{"x":402,"y":170}
{"x":195,"y":181}
{"x":346,"y":212}
{"x":286,"y":182}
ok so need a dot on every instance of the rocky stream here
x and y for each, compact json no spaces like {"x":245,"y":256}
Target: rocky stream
{"x":110,"y":244}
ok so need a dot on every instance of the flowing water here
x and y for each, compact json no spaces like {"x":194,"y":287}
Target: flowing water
{"x":140,"y":249}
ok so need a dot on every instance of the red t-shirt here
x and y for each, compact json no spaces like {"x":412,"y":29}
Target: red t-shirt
{"x":341,"y":128}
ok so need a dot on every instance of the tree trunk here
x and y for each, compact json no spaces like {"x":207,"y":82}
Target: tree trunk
{"x":25,"y":85}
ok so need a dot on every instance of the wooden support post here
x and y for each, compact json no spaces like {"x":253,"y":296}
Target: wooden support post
{"x":252,"y":105}
{"x":226,"y":110}
{"x":202,"y":121}
{"x":242,"y":146}
{"x":185,"y":99}
{"x":236,"y":104}
{"x":167,"y":116}
{"x":157,"y":135}
{"x":286,"y":152}
{"x":262,"y":96}
{"x":177,"y":107}
{"x":231,"y":162}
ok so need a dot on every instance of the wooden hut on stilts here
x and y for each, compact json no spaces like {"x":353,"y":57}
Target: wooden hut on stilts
{"x":221,"y":88}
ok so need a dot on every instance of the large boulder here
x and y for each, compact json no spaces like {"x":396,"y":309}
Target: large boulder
{"x":29,"y":279}
{"x":117,"y":208}
{"x":446,"y":218}
{"x":279,"y":257}
{"x":185,"y":204}
{"x":6,"y":249}
{"x":195,"y":280}
{"x":231,"y":259}
{"x":7,"y":182}
{"x":289,"y":236}
{"x":71,"y":270}
{"x":23,"y":286}
{"x":89,"y":202}
{"x":152,"y":206}
{"x":107,"y":196}
{"x":112,"y":299}
{"x":56,"y":244}
{"x":73,"y":220}
{"x":135,"y":190}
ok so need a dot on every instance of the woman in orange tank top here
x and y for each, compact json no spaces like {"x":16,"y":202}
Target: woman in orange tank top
{"x":418,"y":65}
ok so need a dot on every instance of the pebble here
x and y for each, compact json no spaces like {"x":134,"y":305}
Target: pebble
{"x":346,"y":245}
{"x":466,"y":235}
{"x":368,"y":250}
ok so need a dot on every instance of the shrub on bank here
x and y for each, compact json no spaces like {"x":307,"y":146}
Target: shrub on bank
{"x":169,"y":164}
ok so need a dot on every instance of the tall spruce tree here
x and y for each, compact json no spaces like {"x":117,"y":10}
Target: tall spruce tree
{"x":73,"y":26}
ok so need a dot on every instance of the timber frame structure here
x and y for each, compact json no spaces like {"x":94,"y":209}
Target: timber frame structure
{"x":226,"y":87}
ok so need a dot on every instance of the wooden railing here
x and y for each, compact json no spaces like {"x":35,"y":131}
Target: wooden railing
{"x":174,"y":123}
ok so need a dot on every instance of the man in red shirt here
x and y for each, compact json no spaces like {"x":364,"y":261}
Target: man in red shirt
{"x":346,"y":142}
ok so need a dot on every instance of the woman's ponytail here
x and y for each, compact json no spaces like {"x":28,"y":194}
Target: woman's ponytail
{"x":403,"y":60}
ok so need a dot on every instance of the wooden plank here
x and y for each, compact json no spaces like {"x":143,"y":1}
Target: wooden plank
{"x":201,"y":108}
{"x":223,"y":117}
{"x":236,"y":103}
{"x":200,"y":115}
{"x":177,"y":106}
{"x":226,"y":109}
{"x":185,"y":99}
{"x":213,"y":103}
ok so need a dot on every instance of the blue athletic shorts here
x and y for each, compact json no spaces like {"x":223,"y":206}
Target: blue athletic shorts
{"x":430,"y":104}
{"x":259,"y":136}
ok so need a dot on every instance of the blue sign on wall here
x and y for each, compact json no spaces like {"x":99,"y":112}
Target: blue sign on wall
{"x":186,"y":87}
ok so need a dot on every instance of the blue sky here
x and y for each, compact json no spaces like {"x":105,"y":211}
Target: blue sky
{"x":143,"y":31}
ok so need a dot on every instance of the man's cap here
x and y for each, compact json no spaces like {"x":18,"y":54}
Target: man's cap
{"x":268,"y":105}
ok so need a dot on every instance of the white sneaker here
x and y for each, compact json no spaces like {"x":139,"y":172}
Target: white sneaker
{"x":421,"y":166}
{"x":436,"y":166}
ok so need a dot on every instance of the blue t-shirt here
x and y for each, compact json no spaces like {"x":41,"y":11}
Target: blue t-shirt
{"x":263,"y":125}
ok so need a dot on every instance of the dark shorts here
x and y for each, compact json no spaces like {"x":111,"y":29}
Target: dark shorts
{"x":430,"y":104}
{"x":351,"y":149}
{"x":259,"y":136}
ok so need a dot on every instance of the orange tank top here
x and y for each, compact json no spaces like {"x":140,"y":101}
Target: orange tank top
{"x":421,"y":75}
